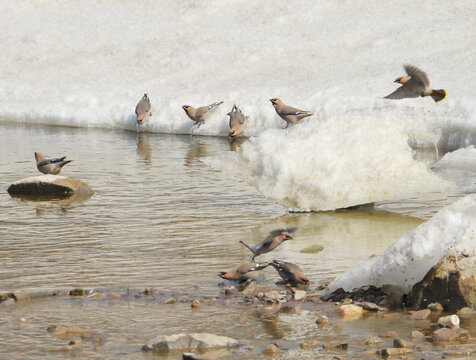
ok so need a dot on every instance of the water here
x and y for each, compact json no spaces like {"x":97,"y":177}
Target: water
{"x":161,"y":216}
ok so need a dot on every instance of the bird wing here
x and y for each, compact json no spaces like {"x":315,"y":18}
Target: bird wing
{"x":51,"y":161}
{"x":143,"y":106}
{"x":401,"y":93}
{"x":244,"y":268}
{"x":417,"y":75}
{"x":289,"y":110}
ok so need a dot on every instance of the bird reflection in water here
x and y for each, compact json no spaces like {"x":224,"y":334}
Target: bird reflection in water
{"x":235,"y":143}
{"x":143,"y":147}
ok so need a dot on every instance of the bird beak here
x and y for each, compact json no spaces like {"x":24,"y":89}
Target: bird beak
{"x":288,"y":236}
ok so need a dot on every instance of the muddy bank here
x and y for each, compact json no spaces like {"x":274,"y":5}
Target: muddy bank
{"x":264,"y":321}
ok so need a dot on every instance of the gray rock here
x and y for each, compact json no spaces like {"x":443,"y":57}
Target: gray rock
{"x":165,"y":343}
{"x":299,"y":295}
{"x":50,"y":185}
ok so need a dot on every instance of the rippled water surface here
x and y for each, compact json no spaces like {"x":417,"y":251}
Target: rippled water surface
{"x":159,"y":217}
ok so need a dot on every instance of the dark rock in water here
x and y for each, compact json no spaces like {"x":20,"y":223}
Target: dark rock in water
{"x":450,"y":283}
{"x":49,"y":185}
{"x":420,"y":314}
{"x":189,"y":341}
{"x":192,"y":356}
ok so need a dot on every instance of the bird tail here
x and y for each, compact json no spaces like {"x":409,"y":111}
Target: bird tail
{"x":438,"y":95}
{"x":65,"y":162}
{"x":302,"y":114}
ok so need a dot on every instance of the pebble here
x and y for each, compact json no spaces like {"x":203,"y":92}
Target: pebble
{"x":369,"y":306}
{"x":450,"y":321}
{"x":420,"y":314}
{"x":308,"y":345}
{"x":350,"y":311}
{"x":400,"y":343}
{"x":389,"y":334}
{"x":417,"y":335}
{"x":395,"y":351}
{"x":446,"y":334}
{"x":466,"y":312}
{"x":171,"y":301}
{"x":343,"y":346}
{"x":435,"y":307}
{"x":231,"y":291}
{"x":271,"y":350}
{"x":373,"y":340}
{"x":195,"y":304}
{"x":300,"y":295}
{"x":73,"y":345}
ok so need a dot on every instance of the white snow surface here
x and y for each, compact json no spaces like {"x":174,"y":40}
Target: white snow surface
{"x":408,"y":260}
{"x":48,"y":178}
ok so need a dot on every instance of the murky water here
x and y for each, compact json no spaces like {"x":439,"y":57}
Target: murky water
{"x":160,"y":218}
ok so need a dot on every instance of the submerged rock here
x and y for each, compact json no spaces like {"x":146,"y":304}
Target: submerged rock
{"x":165,"y":343}
{"x":50,"y":185}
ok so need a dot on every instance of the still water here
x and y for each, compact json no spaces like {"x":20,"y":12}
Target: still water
{"x":159,"y":218}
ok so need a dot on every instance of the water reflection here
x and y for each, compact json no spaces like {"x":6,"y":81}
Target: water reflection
{"x":235,"y":143}
{"x":143,"y":147}
{"x":51,"y":203}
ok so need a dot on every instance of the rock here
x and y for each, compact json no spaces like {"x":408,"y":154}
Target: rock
{"x":369,"y":306}
{"x":8,"y":302}
{"x":451,"y":284}
{"x":466,"y":312}
{"x":394,"y":351}
{"x":189,"y":341}
{"x":373,"y":340}
{"x":50,"y":185}
{"x":400,"y":343}
{"x":232,"y":290}
{"x":350,"y":311}
{"x":274,"y":296}
{"x":308,"y":345}
{"x":77,"y":292}
{"x":195,"y":304}
{"x":271,"y":350}
{"x":28,"y":295}
{"x":389,"y":334}
{"x":299,"y":295}
{"x":59,"y":330}
{"x":322,"y":320}
{"x":170,"y":301}
{"x":254,"y":289}
{"x":447,"y":334}
{"x":450,"y":321}
{"x":343,"y":346}
{"x":420,"y":314}
{"x":281,"y":345}
{"x":417,"y":335}
{"x":73,"y":345}
{"x":435,"y":307}
{"x":192,"y":356}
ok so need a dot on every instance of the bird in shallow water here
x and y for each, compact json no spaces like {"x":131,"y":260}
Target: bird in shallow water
{"x":290,"y":272}
{"x":237,"y":121}
{"x":244,"y":272}
{"x":271,"y":242}
{"x":50,"y":166}
{"x":415,"y":84}
{"x":143,"y":109}
{"x":202,"y":113}
{"x":289,"y":114}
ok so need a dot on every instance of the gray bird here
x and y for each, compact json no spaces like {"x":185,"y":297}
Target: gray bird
{"x":237,"y":121}
{"x":290,"y":272}
{"x":272,"y":241}
{"x":289,"y":114}
{"x":50,"y":166}
{"x":242,"y":272}
{"x":415,"y":84}
{"x":143,"y":109}
{"x":200,"y":114}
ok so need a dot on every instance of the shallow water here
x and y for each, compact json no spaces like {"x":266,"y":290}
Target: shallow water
{"x":161,"y":218}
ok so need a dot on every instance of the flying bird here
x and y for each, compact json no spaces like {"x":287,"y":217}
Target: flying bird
{"x":202,"y":113}
{"x":237,"y":121}
{"x":143,"y":109}
{"x":272,"y":241}
{"x":290,"y":272}
{"x":289,"y":114}
{"x":415,"y":84}
{"x":242,"y":272}
{"x":50,"y":166}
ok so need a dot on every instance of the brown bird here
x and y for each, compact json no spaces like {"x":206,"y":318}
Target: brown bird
{"x":242,"y":272}
{"x":237,"y":121}
{"x":415,"y":84}
{"x":200,"y":114}
{"x":289,"y":114}
{"x":272,"y":241}
{"x":143,"y":109}
{"x":50,"y":166}
{"x":290,"y":272}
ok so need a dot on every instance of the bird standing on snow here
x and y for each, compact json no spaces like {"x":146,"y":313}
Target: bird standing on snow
{"x":289,"y":114}
{"x":50,"y":166}
{"x":237,"y":121}
{"x":242,"y":272}
{"x":290,"y":272}
{"x":272,"y":241}
{"x":415,"y":84}
{"x":202,"y":113}
{"x":143,"y":109}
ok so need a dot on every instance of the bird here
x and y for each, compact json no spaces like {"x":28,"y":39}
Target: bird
{"x":242,"y":272}
{"x":143,"y":109}
{"x":200,"y":114}
{"x":272,"y":241}
{"x":415,"y":84}
{"x":237,"y":121}
{"x":290,"y":272}
{"x":50,"y":166}
{"x":289,"y":114}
